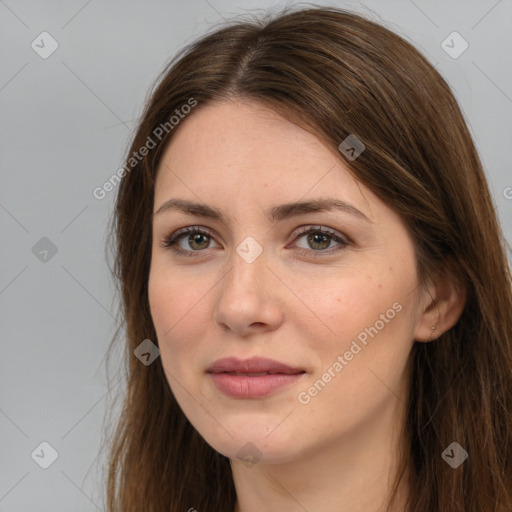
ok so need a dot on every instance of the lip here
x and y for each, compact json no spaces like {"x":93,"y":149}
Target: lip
{"x":238,"y":378}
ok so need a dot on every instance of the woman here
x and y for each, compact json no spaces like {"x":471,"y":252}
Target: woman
{"x":304,"y":229}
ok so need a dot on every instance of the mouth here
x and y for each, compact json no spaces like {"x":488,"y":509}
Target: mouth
{"x":259,"y":374}
{"x":253,"y":365}
{"x":252,"y":378}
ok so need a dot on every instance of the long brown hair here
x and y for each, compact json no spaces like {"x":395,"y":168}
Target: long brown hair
{"x":334,"y":73}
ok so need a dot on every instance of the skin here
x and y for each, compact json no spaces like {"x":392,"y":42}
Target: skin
{"x":339,"y":450}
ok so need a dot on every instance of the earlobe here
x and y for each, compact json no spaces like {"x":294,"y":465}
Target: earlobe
{"x":447,"y":302}
{"x":432,"y":334}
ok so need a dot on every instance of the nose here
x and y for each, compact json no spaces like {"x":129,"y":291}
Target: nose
{"x":248,"y":299}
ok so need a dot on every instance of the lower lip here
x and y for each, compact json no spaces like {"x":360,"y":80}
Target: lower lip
{"x":242,"y":386}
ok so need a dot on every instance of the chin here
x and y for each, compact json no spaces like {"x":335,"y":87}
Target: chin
{"x":253,"y":442}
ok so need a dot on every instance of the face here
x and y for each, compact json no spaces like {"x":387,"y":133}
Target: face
{"x":332,"y":293}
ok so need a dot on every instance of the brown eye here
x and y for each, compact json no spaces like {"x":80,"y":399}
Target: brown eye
{"x":198,"y":239}
{"x":322,"y":240}
{"x":318,"y":239}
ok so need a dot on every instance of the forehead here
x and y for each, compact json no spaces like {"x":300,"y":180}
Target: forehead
{"x":235,"y":143}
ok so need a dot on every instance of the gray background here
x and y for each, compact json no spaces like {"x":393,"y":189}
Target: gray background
{"x":66,"y":121}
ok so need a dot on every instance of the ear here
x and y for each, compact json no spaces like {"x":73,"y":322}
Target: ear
{"x":442,"y":305}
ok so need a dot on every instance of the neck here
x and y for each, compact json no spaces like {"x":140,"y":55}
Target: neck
{"x":355,"y":473}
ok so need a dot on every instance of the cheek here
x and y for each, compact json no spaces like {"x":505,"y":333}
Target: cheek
{"x":363,"y":368}
{"x":166,"y":311}
{"x":369,"y":318}
{"x":350,"y":305}
{"x":171,"y":301}
{"x":162,"y":302}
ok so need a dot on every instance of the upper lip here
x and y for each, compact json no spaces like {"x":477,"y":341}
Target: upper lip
{"x":251,"y":365}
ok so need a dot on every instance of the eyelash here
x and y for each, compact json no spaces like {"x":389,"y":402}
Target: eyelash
{"x":171,"y":240}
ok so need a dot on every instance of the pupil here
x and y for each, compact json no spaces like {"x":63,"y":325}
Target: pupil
{"x":195,"y":238}
{"x":313,"y":238}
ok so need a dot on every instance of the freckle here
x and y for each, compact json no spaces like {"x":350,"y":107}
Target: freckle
{"x":380,"y":285}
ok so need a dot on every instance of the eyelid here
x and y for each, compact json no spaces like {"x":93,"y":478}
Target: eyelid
{"x":333,"y":233}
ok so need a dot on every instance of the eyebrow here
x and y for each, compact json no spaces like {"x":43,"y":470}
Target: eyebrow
{"x":274,"y":213}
